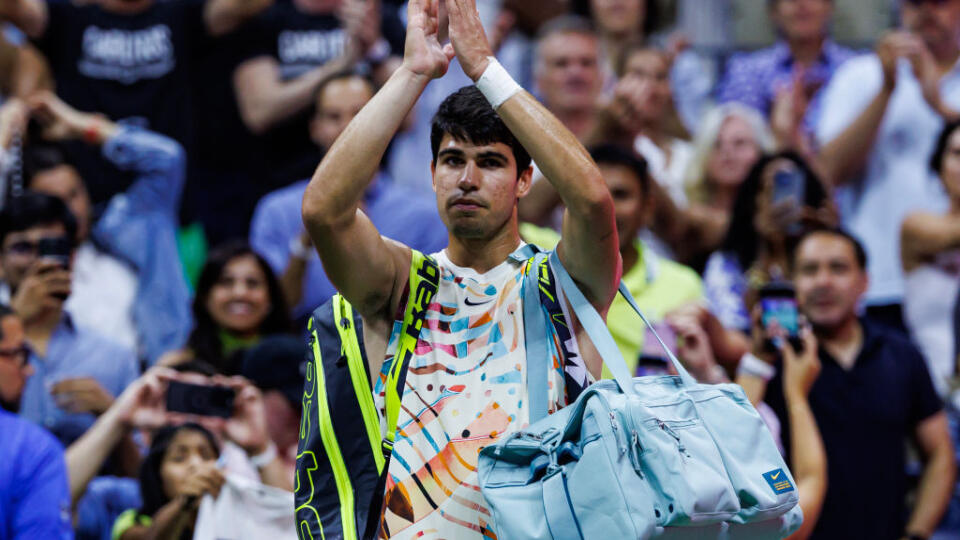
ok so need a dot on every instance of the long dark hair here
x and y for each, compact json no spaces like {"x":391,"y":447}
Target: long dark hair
{"x":151,"y":483}
{"x":205,"y":338}
{"x":742,"y":238}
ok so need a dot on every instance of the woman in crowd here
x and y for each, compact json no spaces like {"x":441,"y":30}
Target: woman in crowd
{"x":930,"y":251}
{"x":762,"y":229}
{"x":619,"y":23}
{"x":238,"y":302}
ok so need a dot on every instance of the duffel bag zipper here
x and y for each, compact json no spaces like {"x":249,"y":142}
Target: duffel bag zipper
{"x":669,"y":431}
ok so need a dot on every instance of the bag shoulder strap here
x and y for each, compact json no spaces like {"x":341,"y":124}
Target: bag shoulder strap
{"x":423,"y":283}
{"x":596,"y":328}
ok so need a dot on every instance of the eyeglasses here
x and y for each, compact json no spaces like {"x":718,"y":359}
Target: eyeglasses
{"x":20,"y":355}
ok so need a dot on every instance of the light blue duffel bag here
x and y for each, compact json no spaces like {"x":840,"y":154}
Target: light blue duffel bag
{"x":648,"y":457}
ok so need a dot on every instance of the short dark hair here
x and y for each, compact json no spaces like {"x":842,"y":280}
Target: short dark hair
{"x":614,"y":154}
{"x":39,"y":158}
{"x":936,"y":159}
{"x":33,"y":209}
{"x":859,"y":252}
{"x":468,"y":117}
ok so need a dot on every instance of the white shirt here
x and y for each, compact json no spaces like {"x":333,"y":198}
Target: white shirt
{"x":668,"y":174}
{"x":102,"y":295}
{"x":898,"y":179}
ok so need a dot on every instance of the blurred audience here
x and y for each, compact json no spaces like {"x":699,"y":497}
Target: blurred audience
{"x":237,"y":303}
{"x":277,"y":231}
{"x":790,"y":73}
{"x":34,"y":499}
{"x":127,"y":278}
{"x":780,"y":198}
{"x":873,"y":393}
{"x":78,"y":371}
{"x":292,"y":48}
{"x":879,"y":121}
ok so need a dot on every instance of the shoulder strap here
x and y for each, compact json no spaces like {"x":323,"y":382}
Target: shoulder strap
{"x":597,"y":329}
{"x":535,"y":339}
{"x":424,"y":280}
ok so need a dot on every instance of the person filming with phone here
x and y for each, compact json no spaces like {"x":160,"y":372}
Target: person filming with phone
{"x":873,"y":392}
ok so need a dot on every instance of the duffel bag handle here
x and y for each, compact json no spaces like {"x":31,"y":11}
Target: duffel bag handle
{"x":597,"y":329}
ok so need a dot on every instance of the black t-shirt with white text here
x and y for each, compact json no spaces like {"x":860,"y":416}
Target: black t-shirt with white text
{"x":135,"y":67}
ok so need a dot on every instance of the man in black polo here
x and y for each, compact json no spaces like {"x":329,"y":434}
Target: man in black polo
{"x":874,"y":392}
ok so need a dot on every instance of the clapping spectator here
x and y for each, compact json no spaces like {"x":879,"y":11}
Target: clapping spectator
{"x":127,"y":60}
{"x":794,"y":69}
{"x":765,"y":224}
{"x":238,"y":302}
{"x":127,"y":279}
{"x":292,"y":49}
{"x":879,"y":121}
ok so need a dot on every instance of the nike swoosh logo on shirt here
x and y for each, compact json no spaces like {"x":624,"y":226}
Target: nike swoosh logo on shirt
{"x":469,"y":303}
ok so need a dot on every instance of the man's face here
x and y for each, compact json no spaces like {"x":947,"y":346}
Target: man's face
{"x":652,"y":69}
{"x":64,"y":182}
{"x":937,"y":22}
{"x":802,"y":19}
{"x":339,"y":102}
{"x":20,"y":250}
{"x":828,"y":280}
{"x":568,"y":71}
{"x":477,"y":187}
{"x":13,"y":363}
{"x":628,"y":201}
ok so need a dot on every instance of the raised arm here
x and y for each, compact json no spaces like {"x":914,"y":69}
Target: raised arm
{"x":924,"y":235}
{"x":264,"y":99}
{"x":28,"y":15}
{"x":589,"y":247}
{"x":846,"y":154}
{"x":367,"y":269}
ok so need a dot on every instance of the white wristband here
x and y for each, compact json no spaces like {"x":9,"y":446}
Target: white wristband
{"x":496,"y":84}
{"x":266,"y":457}
{"x":751,"y":365}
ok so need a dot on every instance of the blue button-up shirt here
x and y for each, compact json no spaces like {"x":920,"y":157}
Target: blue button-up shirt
{"x":34,"y":497}
{"x":754,"y":78}
{"x":399,"y":213}
{"x":74,"y":352}
{"x":140,"y":227}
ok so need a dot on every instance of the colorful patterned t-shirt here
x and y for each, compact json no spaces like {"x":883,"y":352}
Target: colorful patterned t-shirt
{"x":465,"y":387}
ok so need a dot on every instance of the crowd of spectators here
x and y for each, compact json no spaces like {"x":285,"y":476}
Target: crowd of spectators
{"x":154,"y":155}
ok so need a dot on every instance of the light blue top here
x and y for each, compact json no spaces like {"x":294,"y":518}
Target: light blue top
{"x":897,"y":178}
{"x":140,"y":227}
{"x":74,"y":352}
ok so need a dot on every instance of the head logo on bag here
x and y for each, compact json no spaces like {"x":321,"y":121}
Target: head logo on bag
{"x":778,"y":481}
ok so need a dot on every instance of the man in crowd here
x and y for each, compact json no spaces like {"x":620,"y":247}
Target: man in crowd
{"x":128,"y":59}
{"x":873,"y":393}
{"x":78,"y":371}
{"x":481,"y":167}
{"x":127,"y":279}
{"x":292,"y":49}
{"x":797,"y":66}
{"x":277,"y":231}
{"x":34,"y":499}
{"x":879,"y":120}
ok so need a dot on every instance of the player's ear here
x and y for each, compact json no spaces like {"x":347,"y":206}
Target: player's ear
{"x":433,"y":175}
{"x":524,"y":182}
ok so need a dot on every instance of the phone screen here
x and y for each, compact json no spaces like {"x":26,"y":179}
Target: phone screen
{"x":201,"y":400}
{"x":782,"y":311}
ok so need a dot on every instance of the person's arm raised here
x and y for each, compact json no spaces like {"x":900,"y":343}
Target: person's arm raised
{"x":589,"y":247}
{"x":367,"y":269}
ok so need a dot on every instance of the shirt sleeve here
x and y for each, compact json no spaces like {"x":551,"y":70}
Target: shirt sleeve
{"x":723,"y":287}
{"x":850,"y":90}
{"x":924,"y":399}
{"x":258,"y":38}
{"x":159,"y":163}
{"x":267,"y":236}
{"x":43,"y":504}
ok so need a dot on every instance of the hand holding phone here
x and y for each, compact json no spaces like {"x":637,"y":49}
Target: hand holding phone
{"x":200,"y":399}
{"x":780,"y":318}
